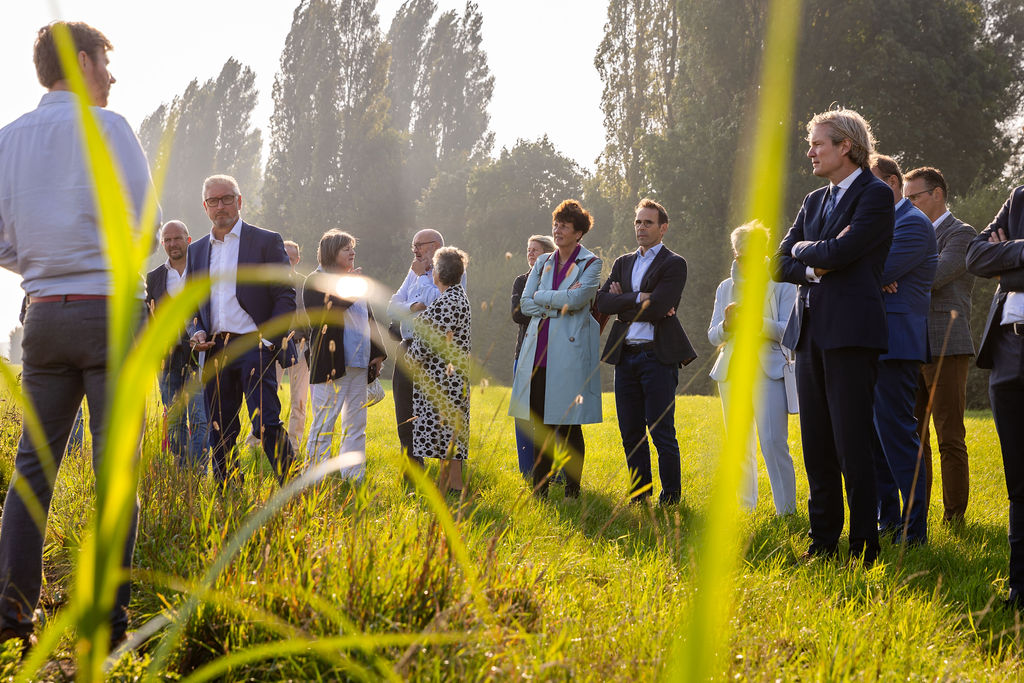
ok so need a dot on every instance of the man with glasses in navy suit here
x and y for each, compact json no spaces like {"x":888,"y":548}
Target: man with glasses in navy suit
{"x":233,"y":320}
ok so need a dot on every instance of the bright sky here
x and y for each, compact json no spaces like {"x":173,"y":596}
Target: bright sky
{"x":538,"y":51}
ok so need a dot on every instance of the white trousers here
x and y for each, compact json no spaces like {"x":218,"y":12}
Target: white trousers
{"x":771,"y":418}
{"x":298,"y":385}
{"x":345,"y":396}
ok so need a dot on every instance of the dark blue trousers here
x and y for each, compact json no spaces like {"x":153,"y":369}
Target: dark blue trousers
{"x":837,"y":390}
{"x":895,"y":449}
{"x":251,"y":376}
{"x":645,"y":399}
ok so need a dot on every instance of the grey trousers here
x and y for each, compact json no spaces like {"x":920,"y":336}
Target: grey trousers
{"x":64,"y":359}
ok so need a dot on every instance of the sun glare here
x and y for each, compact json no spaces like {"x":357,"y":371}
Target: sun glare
{"x":351,"y":287}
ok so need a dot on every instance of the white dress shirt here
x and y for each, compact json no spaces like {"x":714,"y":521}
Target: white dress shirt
{"x":641,"y":332}
{"x":175,"y":282}
{"x":938,"y":221}
{"x":49,"y":226}
{"x":226,"y":315}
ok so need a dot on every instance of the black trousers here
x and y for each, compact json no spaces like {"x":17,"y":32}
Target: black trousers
{"x":401,"y":387}
{"x":837,"y":391}
{"x":1006,"y":392}
{"x":548,"y":438}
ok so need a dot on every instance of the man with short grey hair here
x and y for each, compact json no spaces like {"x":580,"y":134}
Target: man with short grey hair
{"x":50,"y":235}
{"x":234,"y":318}
{"x":187,"y":434}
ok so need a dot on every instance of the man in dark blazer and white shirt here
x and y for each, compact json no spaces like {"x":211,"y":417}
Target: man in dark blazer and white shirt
{"x":998,"y":252}
{"x":186,"y":423}
{"x":647,"y":345}
{"x":234,"y":314}
{"x":909,"y":271}
{"x":835,"y":251}
{"x":950,"y":315}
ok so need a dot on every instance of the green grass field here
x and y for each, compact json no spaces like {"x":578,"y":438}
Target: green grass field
{"x":586,"y":589}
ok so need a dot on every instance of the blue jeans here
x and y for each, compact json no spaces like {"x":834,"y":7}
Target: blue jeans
{"x":524,"y":441}
{"x":187,"y":431}
{"x":645,"y":399}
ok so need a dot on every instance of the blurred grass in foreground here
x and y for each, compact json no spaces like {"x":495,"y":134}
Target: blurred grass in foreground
{"x":591,"y":590}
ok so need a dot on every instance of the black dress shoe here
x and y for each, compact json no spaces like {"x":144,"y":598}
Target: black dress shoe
{"x":823,"y":551}
{"x":28,"y":640}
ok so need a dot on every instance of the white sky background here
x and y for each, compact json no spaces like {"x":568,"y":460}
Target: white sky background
{"x":541,"y":53}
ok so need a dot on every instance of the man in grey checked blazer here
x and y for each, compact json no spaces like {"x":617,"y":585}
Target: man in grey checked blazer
{"x":951,"y":291}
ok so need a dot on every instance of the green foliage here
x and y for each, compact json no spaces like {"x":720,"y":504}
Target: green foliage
{"x":890,"y":62}
{"x":210,"y":127}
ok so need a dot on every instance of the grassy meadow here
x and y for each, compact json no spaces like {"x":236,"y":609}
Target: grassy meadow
{"x":587,"y":589}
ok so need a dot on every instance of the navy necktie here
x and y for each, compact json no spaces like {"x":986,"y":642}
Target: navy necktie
{"x":830,"y":203}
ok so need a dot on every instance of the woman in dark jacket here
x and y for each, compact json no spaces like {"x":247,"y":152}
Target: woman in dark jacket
{"x":535,"y":246}
{"x":345,"y":351}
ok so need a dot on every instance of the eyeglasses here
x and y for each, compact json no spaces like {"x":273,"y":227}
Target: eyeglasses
{"x":914,"y":196}
{"x":418,"y":245}
{"x":226,"y":200}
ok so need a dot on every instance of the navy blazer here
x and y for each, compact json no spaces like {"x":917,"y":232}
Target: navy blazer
{"x":156,"y":284}
{"x":1003,"y":259}
{"x":913,"y":258}
{"x":664,"y":279}
{"x":261,"y":301}
{"x":847,"y":308}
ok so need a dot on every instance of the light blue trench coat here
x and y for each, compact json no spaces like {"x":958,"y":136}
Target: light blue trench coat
{"x":573,"y":384}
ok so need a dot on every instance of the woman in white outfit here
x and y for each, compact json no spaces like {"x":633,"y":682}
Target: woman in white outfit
{"x":771,"y":414}
{"x":345,"y":354}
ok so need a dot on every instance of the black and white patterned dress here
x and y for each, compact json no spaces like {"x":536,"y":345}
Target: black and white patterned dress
{"x":439,"y":360}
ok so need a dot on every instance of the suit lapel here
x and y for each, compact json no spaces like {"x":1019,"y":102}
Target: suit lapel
{"x":627,"y":273}
{"x":834,"y":225}
{"x":652,"y":270}
{"x":244,"y":244}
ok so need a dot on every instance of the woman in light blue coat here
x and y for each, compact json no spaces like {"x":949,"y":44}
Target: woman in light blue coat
{"x":771,"y":414}
{"x":557,"y":384}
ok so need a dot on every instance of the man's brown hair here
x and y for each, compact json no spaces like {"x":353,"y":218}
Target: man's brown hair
{"x":888,"y":166}
{"x":648,"y":203}
{"x":86,"y":39}
{"x":931,"y":176}
{"x":570,"y":211}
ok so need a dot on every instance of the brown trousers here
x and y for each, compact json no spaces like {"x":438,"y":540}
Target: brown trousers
{"x":947,"y":413}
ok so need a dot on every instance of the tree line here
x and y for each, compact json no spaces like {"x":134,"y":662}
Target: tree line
{"x":381,"y":132}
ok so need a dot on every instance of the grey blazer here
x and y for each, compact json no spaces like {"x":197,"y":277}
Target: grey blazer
{"x":951,"y":290}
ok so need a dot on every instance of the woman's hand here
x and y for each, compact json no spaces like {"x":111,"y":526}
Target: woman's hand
{"x":375,"y":366}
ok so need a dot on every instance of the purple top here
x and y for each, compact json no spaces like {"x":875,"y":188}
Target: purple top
{"x":540,"y":358}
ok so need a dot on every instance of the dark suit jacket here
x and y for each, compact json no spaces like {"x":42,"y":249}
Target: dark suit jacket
{"x":327,"y":331}
{"x":847,"y":308}
{"x":518,"y":317}
{"x":1002,"y":259}
{"x":911,"y":265}
{"x":664,"y":279}
{"x":261,"y":301}
{"x":156,"y":289}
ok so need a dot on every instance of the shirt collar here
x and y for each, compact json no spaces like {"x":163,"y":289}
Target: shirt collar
{"x":236,"y":231}
{"x":168,"y":266}
{"x":938,"y":221}
{"x":845,"y":183}
{"x":652,"y":252}
{"x":900,"y":203}
{"x":56,"y":97}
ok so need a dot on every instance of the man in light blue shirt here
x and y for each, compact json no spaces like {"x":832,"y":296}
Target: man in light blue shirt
{"x":49,"y":234}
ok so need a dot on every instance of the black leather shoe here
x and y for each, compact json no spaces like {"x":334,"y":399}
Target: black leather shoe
{"x":28,"y":640}
{"x":826,"y":552}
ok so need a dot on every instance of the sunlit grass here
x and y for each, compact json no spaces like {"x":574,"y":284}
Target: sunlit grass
{"x":588,"y":590}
